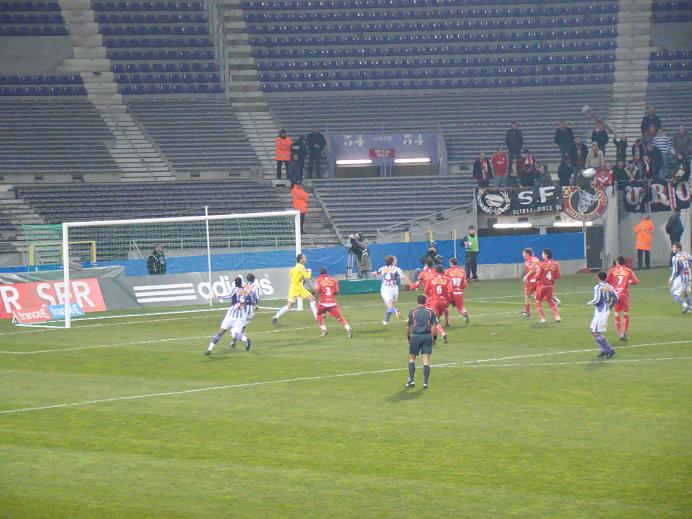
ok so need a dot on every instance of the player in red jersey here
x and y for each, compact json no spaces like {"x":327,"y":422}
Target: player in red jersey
{"x":620,"y":277}
{"x":326,"y":289}
{"x":530,"y":272}
{"x":424,"y":275}
{"x":438,"y":291}
{"x":546,"y":274}
{"x":459,"y":281}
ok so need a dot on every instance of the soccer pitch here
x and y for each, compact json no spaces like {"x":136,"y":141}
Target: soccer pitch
{"x":127,"y":418}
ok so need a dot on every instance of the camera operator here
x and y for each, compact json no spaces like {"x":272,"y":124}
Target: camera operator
{"x":433,"y":255}
{"x":358,"y":257}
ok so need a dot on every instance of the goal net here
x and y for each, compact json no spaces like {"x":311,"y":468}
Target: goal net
{"x":116,"y":268}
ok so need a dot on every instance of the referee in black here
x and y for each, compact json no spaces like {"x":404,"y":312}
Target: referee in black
{"x":419,"y":332}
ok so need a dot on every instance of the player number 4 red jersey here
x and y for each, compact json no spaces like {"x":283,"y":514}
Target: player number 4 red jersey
{"x":548,"y":271}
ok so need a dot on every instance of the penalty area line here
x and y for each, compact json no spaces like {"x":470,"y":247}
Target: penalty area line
{"x":469,"y":363}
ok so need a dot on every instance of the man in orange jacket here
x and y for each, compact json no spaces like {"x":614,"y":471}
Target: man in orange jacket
{"x":282,"y":153}
{"x":300,"y":202}
{"x":645,"y":232}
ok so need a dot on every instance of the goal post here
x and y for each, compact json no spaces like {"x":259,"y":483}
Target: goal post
{"x":111,"y":265}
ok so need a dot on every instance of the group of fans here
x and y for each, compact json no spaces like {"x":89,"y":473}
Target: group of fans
{"x":445,"y":288}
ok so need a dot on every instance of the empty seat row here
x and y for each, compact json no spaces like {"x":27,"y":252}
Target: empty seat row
{"x":149,"y":55}
{"x":438,"y":84}
{"x":448,"y":25}
{"x":34,"y":30}
{"x":31,"y":18}
{"x":147,"y":6}
{"x":662,"y":77}
{"x":375,"y":4}
{"x":42,"y":91}
{"x":672,"y":17}
{"x":671,"y":54}
{"x":326,"y":52}
{"x":152,"y":18}
{"x":665,"y":66}
{"x":374,"y":39}
{"x":167,"y":78}
{"x":158,"y":42}
{"x":167,"y":67}
{"x":144,"y":30}
{"x":393,"y":14}
{"x":41,"y":80}
{"x":191,"y":88}
{"x":671,"y":6}
{"x":29,"y":6}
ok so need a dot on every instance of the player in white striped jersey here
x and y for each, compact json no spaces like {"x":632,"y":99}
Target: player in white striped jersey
{"x":390,"y":275}
{"x":604,"y":298}
{"x":252,"y":287}
{"x":237,"y":316}
{"x":680,"y":277}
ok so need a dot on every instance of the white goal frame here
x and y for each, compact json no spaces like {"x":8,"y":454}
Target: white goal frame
{"x":66,"y":226}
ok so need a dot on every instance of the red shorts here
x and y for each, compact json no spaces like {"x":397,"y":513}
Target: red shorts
{"x":529,"y":288}
{"x":623,"y":304}
{"x":544,"y":293}
{"x":334,"y":311}
{"x":458,"y":300}
{"x":438,"y":306}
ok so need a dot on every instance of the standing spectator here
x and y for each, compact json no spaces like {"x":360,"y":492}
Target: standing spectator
{"x":655,"y":161}
{"x":578,"y":154}
{"x":565,"y":171}
{"x":620,"y":148}
{"x":282,"y":152}
{"x":595,"y":157}
{"x":526,"y":168}
{"x":664,"y":144}
{"x":645,"y":232}
{"x":294,"y":172}
{"x":682,"y":143}
{"x":300,"y":148}
{"x":156,"y":262}
{"x":649,"y":120}
{"x":473,"y":248}
{"x":300,"y":203}
{"x":600,"y":137}
{"x":543,"y":178}
{"x":514,"y":140}
{"x":620,"y":176}
{"x":481,"y":171}
{"x":564,"y":138}
{"x":499,"y":163}
{"x":682,"y":169}
{"x":674,"y":227}
{"x":604,"y":176}
{"x":646,"y":171}
{"x":638,"y":151}
{"x":316,"y":143}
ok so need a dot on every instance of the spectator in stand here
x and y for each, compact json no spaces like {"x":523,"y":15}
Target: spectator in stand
{"x":514,"y":140}
{"x":595,"y":158}
{"x":620,"y":175}
{"x":294,"y":172}
{"x":300,"y":203}
{"x":638,"y":151}
{"x":565,"y":171}
{"x":674,"y":227}
{"x":156,"y":262}
{"x":600,"y":137}
{"x":655,"y":160}
{"x":682,"y":143}
{"x":633,"y":171}
{"x":620,"y":148}
{"x":604,"y":176}
{"x":499,"y":163}
{"x":649,"y":120}
{"x":316,"y":143}
{"x":564,"y":137}
{"x":645,"y":232}
{"x":526,"y":168}
{"x":543,"y":178}
{"x":282,"y":152}
{"x":646,"y":171}
{"x":664,"y":144}
{"x":482,"y":171}
{"x":578,"y":154}
{"x":681,"y":173}
{"x":300,"y":148}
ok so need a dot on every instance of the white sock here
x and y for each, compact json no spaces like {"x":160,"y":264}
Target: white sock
{"x":313,"y":307}
{"x":348,"y":328}
{"x":323,"y":327}
{"x":211,"y":346}
{"x":281,"y":311}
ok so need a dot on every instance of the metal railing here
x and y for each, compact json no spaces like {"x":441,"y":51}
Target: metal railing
{"x":447,"y":215}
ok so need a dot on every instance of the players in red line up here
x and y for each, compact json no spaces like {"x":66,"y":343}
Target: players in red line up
{"x":326,"y":289}
{"x":547,"y":272}
{"x":620,"y":277}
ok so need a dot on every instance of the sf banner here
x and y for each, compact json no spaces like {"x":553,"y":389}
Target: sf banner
{"x":643,"y":196}
{"x":518,"y":201}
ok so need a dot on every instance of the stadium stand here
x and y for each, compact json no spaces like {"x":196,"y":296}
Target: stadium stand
{"x":673,"y":103}
{"x":41,"y":137}
{"x":671,"y":11}
{"x":366,"y":205}
{"x":32,"y":19}
{"x":196,"y":135}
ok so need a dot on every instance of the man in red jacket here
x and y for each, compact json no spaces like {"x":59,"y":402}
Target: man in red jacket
{"x":500,"y":163}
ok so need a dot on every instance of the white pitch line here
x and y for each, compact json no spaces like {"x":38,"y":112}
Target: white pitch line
{"x":541,"y":364}
{"x":468,"y":363}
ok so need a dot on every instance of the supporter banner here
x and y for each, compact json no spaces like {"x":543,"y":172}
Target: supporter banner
{"x":656,"y":196}
{"x":533,"y":200}
{"x":584,"y":204}
{"x":36,"y":298}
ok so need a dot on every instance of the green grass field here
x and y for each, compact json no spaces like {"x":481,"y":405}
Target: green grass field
{"x":127,"y":418}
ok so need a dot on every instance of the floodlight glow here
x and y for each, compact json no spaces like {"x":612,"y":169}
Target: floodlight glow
{"x":353,"y":162}
{"x":516,"y":225}
{"x":415,"y":160}
{"x":572,"y":224}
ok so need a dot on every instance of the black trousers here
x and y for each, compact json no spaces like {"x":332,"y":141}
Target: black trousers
{"x":647,"y":258}
{"x":314,"y":161}
{"x":302,"y":223}
{"x":471,"y":265}
{"x":279,"y":163}
{"x":512,"y":156}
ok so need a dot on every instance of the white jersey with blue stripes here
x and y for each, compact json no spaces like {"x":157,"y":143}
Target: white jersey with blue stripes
{"x":604,"y":297}
{"x":682,"y":267}
{"x":390,"y":275}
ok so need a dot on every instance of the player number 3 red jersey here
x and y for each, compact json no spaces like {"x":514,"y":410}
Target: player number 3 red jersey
{"x":327,"y":288}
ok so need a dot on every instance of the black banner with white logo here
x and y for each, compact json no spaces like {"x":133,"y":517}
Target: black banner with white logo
{"x":656,"y":196}
{"x":519,"y":201}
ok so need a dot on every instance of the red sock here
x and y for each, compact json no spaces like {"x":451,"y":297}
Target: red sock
{"x":446,"y":314}
{"x":553,"y":307}
{"x":440,"y":330}
{"x":626,"y":323}
{"x":320,"y":319}
{"x":539,"y":308}
{"x":617,"y":323}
